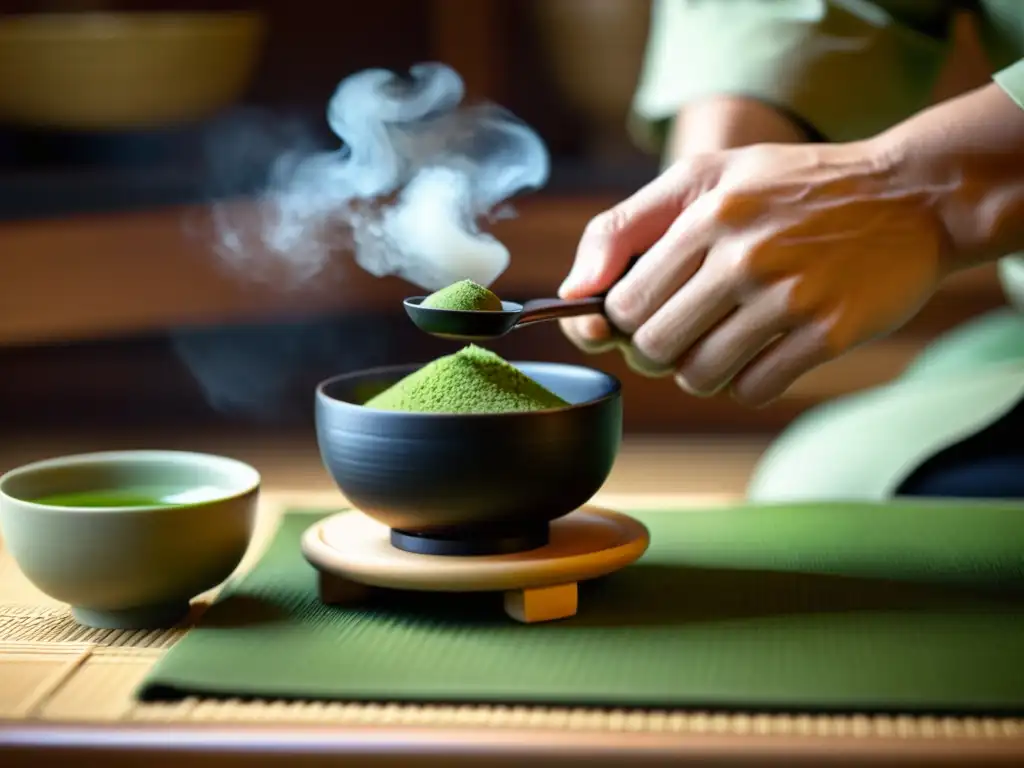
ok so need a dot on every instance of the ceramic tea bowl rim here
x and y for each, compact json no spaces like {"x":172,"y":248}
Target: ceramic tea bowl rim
{"x":248,"y":478}
{"x":615,"y":390}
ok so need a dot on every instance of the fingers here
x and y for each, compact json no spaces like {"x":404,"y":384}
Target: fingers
{"x":694,"y":310}
{"x":641,"y":364}
{"x":723,"y":352}
{"x":630,"y":228}
{"x":671,"y":326}
{"x":591,"y":333}
{"x":669,"y":264}
{"x":778,"y":367}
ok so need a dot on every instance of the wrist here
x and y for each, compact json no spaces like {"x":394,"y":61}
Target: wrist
{"x":963,"y":159}
{"x":934,"y":182}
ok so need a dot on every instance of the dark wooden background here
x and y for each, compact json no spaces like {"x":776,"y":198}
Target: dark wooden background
{"x":92,"y":304}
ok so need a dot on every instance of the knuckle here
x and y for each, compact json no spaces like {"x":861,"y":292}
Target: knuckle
{"x":797,"y":297}
{"x":606,"y":225}
{"x":654,"y":346}
{"x":722,"y":203}
{"x":626,"y":306}
{"x":792,"y":294}
{"x":684,"y":169}
{"x":836,"y":335}
{"x":739,"y":264}
{"x":733,"y":205}
{"x":745,"y":257}
{"x":828,"y":332}
{"x":704,"y":167}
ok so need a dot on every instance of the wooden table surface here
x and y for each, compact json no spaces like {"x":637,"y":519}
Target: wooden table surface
{"x":66,"y":691}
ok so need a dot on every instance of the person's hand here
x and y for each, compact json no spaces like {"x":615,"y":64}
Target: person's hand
{"x":760,"y":264}
{"x":709,"y":125}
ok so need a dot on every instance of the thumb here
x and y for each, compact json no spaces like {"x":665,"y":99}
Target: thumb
{"x":614,"y":237}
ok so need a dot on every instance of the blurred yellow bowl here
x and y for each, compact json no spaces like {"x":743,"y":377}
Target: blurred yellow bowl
{"x":110,"y":71}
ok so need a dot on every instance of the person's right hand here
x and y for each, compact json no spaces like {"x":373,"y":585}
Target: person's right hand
{"x":714,"y":124}
{"x":760,"y":264}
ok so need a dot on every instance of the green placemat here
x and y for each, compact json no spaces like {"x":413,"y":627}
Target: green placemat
{"x":849,"y":607}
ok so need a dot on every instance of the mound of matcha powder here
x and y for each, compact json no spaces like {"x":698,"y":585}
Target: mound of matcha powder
{"x":464,"y":295}
{"x":473,"y":380}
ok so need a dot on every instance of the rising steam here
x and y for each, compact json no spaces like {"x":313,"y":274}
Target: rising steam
{"x":405,"y":194}
{"x":416,"y":174}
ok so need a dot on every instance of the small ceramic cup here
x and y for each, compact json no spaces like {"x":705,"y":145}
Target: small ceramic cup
{"x":129,"y":567}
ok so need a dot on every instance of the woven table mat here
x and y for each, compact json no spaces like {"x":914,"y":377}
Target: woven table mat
{"x":52,"y":669}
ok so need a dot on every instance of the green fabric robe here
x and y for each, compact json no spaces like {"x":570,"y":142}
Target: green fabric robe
{"x":850,"y":69}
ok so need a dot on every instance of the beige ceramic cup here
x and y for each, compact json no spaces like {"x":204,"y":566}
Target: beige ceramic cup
{"x":130,"y":567}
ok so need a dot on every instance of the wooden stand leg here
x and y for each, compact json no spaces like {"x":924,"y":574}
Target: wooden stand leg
{"x":544,"y":604}
{"x":334,"y":590}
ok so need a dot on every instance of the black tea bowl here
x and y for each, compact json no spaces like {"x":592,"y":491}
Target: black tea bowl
{"x":470,"y":484}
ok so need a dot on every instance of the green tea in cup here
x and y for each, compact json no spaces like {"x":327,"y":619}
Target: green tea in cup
{"x":132,"y":497}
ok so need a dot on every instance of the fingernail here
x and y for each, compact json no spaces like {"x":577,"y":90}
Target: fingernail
{"x":585,"y":273}
{"x":688,"y":388}
{"x":571,"y":284}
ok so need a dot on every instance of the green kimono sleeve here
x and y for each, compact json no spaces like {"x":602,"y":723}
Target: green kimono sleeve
{"x":847,"y":68}
{"x":1011,"y":80}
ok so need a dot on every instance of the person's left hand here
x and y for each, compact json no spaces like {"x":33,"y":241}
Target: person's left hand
{"x":762,"y":263}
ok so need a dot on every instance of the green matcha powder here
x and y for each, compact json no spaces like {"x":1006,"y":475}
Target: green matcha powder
{"x":473,"y":380}
{"x":464,"y":295}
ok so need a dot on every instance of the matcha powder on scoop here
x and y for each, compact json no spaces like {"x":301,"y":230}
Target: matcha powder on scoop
{"x":473,"y":380}
{"x":464,"y":295}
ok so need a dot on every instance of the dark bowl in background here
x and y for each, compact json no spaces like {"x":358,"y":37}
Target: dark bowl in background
{"x":470,"y":484}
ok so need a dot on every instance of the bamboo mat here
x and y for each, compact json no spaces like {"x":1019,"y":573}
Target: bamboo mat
{"x":53,"y":670}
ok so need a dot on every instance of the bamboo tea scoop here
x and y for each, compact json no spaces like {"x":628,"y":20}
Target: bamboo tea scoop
{"x":480,"y":325}
{"x":469,"y":325}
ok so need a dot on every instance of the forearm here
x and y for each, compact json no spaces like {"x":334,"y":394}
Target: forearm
{"x":724,"y":122}
{"x":967,"y":157}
